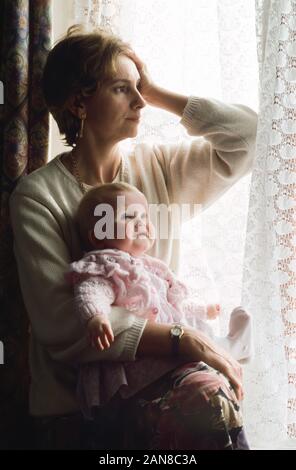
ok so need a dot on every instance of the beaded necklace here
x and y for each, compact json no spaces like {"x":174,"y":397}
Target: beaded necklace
{"x":76,"y":173}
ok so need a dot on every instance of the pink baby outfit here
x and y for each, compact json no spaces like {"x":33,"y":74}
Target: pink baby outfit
{"x":143,"y":285}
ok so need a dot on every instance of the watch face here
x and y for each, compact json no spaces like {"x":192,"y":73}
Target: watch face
{"x":176,"y":330}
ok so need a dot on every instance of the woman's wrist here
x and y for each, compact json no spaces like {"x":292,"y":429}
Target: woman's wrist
{"x":167,"y":100}
{"x":190,"y":346}
{"x":156,"y":341}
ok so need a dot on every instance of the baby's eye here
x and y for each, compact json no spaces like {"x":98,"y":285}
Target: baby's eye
{"x":127,"y":216}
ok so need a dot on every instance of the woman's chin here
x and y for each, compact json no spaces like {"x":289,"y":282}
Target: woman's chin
{"x":132,"y":130}
{"x":133,"y":133}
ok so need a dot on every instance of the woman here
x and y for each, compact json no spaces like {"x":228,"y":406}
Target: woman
{"x":96,"y":87}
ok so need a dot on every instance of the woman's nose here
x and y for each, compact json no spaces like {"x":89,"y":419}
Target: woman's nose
{"x":139,"y":101}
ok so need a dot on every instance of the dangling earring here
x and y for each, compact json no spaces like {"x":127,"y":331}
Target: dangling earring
{"x":81,"y":126}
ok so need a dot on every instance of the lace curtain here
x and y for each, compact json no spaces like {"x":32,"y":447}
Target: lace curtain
{"x":105,"y":13}
{"x":188,"y":47}
{"x":269,"y":278}
{"x":208,"y":48}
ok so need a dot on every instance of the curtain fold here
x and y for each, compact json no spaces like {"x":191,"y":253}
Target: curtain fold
{"x":269,"y":281}
{"x":25,"y":32}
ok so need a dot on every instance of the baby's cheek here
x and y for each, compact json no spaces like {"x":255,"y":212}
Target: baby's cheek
{"x":152,"y":231}
{"x":130,"y":232}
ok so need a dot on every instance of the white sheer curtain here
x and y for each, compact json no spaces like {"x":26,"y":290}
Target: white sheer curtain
{"x":103,"y":13}
{"x":204,"y":48}
{"x":208,"y":48}
{"x":269,"y":286}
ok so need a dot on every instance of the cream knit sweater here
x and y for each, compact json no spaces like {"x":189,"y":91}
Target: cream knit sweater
{"x":45,"y":238}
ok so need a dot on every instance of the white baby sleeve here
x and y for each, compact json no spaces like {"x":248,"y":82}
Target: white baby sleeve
{"x":93,"y":296}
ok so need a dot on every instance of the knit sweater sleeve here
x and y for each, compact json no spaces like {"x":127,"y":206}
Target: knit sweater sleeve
{"x":199,"y":170}
{"x":42,"y":259}
{"x":93,"y":296}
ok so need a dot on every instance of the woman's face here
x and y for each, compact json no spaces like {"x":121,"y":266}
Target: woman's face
{"x":113,"y":112}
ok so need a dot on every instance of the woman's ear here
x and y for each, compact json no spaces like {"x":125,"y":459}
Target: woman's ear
{"x":76,"y":106}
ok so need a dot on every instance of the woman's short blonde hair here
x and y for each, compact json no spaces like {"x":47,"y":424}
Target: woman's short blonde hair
{"x":75,"y":66}
{"x":101,"y":194}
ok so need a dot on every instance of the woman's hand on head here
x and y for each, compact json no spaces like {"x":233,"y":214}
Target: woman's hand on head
{"x":195,"y":345}
{"x":147,"y":85}
{"x":156,"y":95}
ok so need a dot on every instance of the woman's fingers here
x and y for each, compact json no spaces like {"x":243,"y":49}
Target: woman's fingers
{"x":202,"y":347}
{"x":147,"y":85}
{"x":136,"y":59}
{"x":237,"y":387}
{"x":234,"y":380}
{"x":232,"y":364}
{"x":237,"y":368}
{"x":223,"y":365}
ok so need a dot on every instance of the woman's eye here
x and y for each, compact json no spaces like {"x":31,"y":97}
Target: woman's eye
{"x":121,"y":89}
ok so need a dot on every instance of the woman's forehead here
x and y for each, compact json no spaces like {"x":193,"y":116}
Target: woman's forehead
{"x":126,"y":69}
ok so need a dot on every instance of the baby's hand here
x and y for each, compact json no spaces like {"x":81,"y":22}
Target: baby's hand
{"x":100,"y":332}
{"x":213,"y":311}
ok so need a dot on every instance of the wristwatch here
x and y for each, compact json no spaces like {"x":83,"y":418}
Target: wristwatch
{"x":176,"y":334}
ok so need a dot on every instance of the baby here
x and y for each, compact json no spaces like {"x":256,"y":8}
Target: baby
{"x":116,"y":232}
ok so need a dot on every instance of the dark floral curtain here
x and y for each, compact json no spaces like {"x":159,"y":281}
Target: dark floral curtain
{"x":25,"y":32}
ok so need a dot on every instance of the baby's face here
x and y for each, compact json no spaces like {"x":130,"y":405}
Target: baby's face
{"x":133,"y":221}
{"x":133,"y":231}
